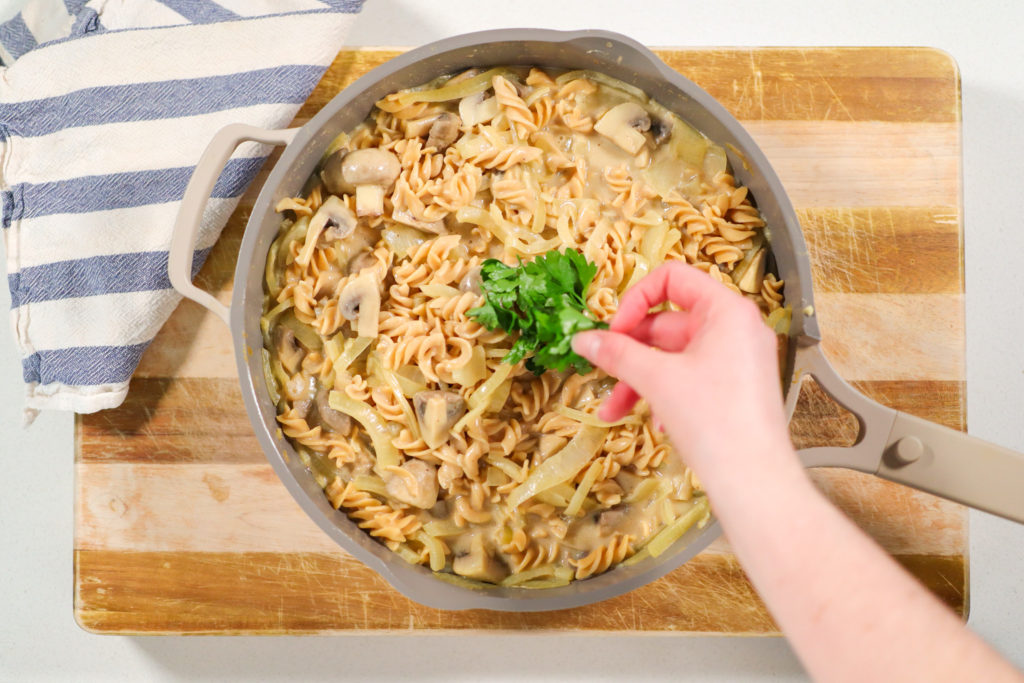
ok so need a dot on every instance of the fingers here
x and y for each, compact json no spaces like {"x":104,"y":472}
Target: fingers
{"x":619,"y":402}
{"x":677,"y":282}
{"x":622,"y":357}
{"x":668,"y":330}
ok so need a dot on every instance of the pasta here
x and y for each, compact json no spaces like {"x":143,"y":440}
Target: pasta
{"x":400,"y":402}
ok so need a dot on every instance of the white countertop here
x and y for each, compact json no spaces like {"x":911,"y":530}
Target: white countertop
{"x":39,"y":639}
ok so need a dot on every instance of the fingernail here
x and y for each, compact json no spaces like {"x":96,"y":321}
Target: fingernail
{"x":586,"y":343}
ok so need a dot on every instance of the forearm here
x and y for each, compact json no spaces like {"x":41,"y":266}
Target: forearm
{"x":849,"y":610}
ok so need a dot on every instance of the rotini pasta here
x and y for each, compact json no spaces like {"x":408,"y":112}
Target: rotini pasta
{"x":399,"y":400}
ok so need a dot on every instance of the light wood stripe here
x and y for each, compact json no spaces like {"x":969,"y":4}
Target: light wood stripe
{"x":860,"y":164}
{"x":202,"y":420}
{"x":806,"y":84}
{"x":267,"y":593}
{"x":893,"y":336}
{"x":245,"y":508}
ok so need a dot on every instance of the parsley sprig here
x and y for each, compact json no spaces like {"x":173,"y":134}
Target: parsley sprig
{"x":543,"y":300}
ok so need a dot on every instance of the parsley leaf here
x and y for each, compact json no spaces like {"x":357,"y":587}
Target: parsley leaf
{"x":543,"y":300}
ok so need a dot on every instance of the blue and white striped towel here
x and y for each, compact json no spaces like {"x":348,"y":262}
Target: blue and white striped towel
{"x":105,"y":107}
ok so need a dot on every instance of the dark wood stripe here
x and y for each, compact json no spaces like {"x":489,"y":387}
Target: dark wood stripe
{"x":936,"y":401}
{"x":820,"y":421}
{"x":225,"y":593}
{"x":799,"y":84}
{"x":897,"y":250}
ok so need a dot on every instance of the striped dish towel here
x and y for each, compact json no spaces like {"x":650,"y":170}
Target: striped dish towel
{"x":105,"y":107}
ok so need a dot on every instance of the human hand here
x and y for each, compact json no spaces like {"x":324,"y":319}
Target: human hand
{"x":709,"y":372}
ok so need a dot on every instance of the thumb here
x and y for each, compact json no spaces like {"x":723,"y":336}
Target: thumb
{"x":622,"y":357}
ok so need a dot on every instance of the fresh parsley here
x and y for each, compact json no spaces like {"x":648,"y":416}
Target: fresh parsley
{"x":543,"y":300}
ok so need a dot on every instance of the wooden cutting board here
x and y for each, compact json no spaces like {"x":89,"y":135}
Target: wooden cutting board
{"x":182,"y":527}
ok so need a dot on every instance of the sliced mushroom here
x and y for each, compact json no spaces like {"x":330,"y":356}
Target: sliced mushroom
{"x":477,"y":108}
{"x":336,"y":217}
{"x":360,"y":299}
{"x":369,"y":200}
{"x":414,"y":483}
{"x":624,"y":124}
{"x":288,"y":350}
{"x":660,"y":130}
{"x":406,"y":218}
{"x":754,"y":274}
{"x":364,"y":259}
{"x":471,"y":281}
{"x":437,"y":412}
{"x":477,"y":563}
{"x":419,"y":128}
{"x":372,"y":171}
{"x":609,"y":521}
{"x":444,"y":131}
{"x":332,"y":214}
{"x":331,"y":174}
{"x":301,"y":407}
{"x":334,"y":420}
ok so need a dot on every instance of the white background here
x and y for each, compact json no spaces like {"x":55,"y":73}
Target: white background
{"x":38,"y":636}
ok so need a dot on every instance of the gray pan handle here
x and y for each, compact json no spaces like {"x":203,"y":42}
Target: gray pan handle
{"x":912,"y":451}
{"x":197,"y":192}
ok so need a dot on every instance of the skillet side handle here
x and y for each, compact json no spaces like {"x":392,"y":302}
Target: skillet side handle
{"x":956,"y":466}
{"x":190,"y":212}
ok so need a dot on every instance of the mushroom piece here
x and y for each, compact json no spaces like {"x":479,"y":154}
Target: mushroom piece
{"x":360,"y":299}
{"x":624,"y":124}
{"x":437,"y":411}
{"x":336,"y":217}
{"x":477,"y":563}
{"x":444,"y":131}
{"x":609,"y":521}
{"x":477,"y":108}
{"x":414,"y":483}
{"x":405,"y":218}
{"x":288,"y":350}
{"x":332,"y":214}
{"x":331,"y":174}
{"x":660,"y":130}
{"x":419,"y":128}
{"x":334,"y":420}
{"x":471,"y":281}
{"x":364,"y":259}
{"x":754,"y":274}
{"x":372,"y":171}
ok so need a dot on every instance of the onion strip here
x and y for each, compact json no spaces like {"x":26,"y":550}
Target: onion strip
{"x":670,"y":534}
{"x":375,"y":425}
{"x":561,"y":467}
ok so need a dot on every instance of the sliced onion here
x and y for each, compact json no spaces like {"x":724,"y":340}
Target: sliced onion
{"x":672,"y":533}
{"x":576,"y":503}
{"x":375,"y":425}
{"x":561,"y":467}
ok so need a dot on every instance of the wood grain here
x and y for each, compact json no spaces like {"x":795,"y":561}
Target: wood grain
{"x":181,"y":526}
{"x":243,"y":508}
{"x":288,"y":593}
{"x":798,"y":84}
